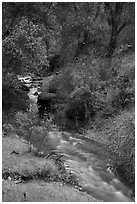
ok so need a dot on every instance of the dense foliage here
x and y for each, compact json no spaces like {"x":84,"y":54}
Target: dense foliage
{"x":91,"y":45}
{"x":35,"y":32}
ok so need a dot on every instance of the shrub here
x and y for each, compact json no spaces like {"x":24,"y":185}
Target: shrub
{"x":124,"y":81}
{"x":29,"y":126}
{"x":123,"y":99}
{"x":14,"y":99}
{"x":120,"y":137}
{"x":79,"y":106}
{"x":47,"y":170}
{"x":63,"y":83}
{"x":74,"y":87}
{"x":37,"y":135}
{"x":24,"y":122}
{"x":108,"y":84}
{"x":8,"y":129}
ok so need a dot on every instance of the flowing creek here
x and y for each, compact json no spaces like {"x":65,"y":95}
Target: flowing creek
{"x":89,"y":161}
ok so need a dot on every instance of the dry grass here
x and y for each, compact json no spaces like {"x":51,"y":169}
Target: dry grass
{"x":38,"y":191}
{"x":17,"y":159}
{"x":118,"y":133}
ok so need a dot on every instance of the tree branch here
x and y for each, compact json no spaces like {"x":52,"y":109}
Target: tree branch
{"x":49,"y":7}
{"x":123,"y":25}
{"x":108,"y":7}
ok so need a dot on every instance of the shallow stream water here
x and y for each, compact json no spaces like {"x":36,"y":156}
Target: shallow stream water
{"x":90,"y":162}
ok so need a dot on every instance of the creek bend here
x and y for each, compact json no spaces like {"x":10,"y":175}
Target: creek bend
{"x":89,"y":161}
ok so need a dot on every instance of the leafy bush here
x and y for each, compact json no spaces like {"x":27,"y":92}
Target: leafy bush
{"x":24,"y":122}
{"x":37,"y":135}
{"x":90,"y":87}
{"x":122,"y":100}
{"x":14,"y":99}
{"x":124,"y":81}
{"x":79,"y":106}
{"x":8,"y":129}
{"x":62,"y":83}
{"x":29,"y":126}
{"x":86,"y":95}
{"x":27,"y":46}
{"x":79,"y":87}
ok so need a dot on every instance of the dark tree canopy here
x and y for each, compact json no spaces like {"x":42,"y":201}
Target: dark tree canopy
{"x":39,"y":30}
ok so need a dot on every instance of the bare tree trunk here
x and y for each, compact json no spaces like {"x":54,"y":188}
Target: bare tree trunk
{"x":113,"y":39}
{"x":115,"y":10}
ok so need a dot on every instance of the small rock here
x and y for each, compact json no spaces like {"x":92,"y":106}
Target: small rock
{"x":9,"y":178}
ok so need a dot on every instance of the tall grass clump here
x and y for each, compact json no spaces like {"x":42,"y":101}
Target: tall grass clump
{"x":122,"y":137}
{"x":119,"y":136}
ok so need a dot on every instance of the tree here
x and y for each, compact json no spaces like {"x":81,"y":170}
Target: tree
{"x":118,"y":15}
{"x":29,"y":36}
{"x":75,"y":20}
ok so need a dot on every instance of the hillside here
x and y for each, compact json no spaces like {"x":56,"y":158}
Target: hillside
{"x":68,"y":101}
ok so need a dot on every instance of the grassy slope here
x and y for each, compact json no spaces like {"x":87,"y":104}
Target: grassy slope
{"x":118,"y":131}
{"x":39,"y":173}
{"x":39,"y":191}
